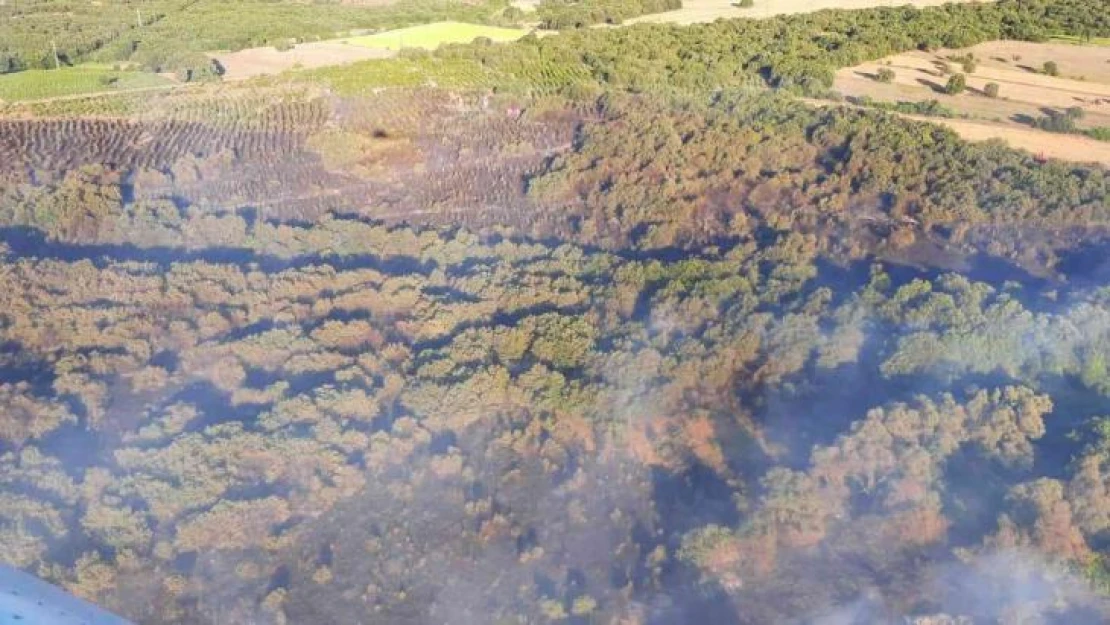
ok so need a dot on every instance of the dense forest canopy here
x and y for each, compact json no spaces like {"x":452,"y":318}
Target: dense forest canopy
{"x":597,"y":328}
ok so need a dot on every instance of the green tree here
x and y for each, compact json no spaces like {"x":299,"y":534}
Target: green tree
{"x":991,"y":90}
{"x":1051,"y":68}
{"x":956,"y":84}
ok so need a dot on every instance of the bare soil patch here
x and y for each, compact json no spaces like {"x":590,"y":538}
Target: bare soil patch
{"x":699,"y":11}
{"x":1025,"y":91}
{"x":263,"y":61}
{"x":1075,"y":61}
{"x":1076,"y":148}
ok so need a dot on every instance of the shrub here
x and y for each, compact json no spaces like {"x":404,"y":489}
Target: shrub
{"x":1055,"y":122}
{"x":966,"y":61}
{"x":1074,"y":113}
{"x":10,"y":63}
{"x":1051,"y":68}
{"x":956,"y":84}
{"x":991,"y":90}
{"x":745,"y":4}
{"x":931,"y":108}
{"x":885,"y":75}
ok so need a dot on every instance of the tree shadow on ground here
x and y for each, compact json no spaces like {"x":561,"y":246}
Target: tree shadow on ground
{"x":935,"y":86}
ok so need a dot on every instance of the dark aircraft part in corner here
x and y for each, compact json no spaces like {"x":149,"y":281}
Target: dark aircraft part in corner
{"x":27,"y":600}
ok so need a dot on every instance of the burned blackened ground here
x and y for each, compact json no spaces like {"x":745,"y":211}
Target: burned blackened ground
{"x":421,"y":157}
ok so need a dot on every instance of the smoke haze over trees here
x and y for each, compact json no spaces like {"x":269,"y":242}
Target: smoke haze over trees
{"x":621,"y":336}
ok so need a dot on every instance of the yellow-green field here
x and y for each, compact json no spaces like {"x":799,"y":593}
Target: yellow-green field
{"x":431,"y":36}
{"x":1092,"y":41}
{"x":39,"y":84}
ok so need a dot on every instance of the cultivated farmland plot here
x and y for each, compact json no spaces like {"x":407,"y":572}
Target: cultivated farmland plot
{"x":1025,"y":92}
{"x":431,"y":36}
{"x":700,"y":11}
{"x":253,"y":62}
{"x":39,"y":84}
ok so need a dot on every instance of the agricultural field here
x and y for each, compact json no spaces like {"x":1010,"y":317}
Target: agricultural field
{"x":702,"y":11}
{"x":268,"y":60}
{"x":77,"y":29}
{"x":1026,"y":93}
{"x":1075,"y":39}
{"x":69,"y":81}
{"x":1066,"y":147}
{"x":432,"y":36}
{"x":297,"y":155}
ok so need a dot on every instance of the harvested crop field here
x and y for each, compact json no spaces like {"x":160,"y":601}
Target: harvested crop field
{"x":700,"y":11}
{"x":1025,"y":93}
{"x":1016,"y":67}
{"x":431,"y":36}
{"x":1051,"y":145}
{"x":264,"y":61}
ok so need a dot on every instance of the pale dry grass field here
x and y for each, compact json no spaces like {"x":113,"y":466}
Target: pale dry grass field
{"x":1019,"y":80}
{"x":264,"y":61}
{"x":1077,"y":148}
{"x":1025,"y":92}
{"x":698,"y":11}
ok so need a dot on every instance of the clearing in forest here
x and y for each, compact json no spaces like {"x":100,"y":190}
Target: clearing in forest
{"x":253,"y":62}
{"x":1034,"y":82}
{"x":701,"y":11}
{"x":431,"y":36}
